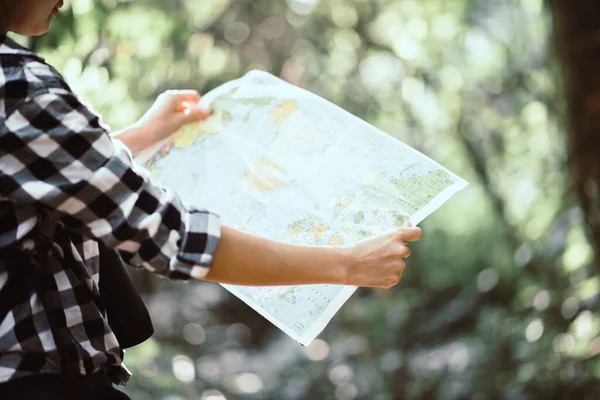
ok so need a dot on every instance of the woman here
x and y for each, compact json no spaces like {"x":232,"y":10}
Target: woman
{"x":58,"y":162}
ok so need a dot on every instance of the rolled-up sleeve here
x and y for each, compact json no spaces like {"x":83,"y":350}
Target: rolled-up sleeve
{"x":56,"y":153}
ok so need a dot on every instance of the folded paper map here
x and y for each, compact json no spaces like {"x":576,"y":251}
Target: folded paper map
{"x":285,"y":164}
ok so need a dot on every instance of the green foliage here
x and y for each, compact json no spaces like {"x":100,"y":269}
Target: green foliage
{"x":500,"y":298}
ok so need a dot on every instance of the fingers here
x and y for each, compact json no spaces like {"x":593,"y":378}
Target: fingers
{"x":181,"y":100}
{"x":196,"y":113}
{"x":181,"y":96}
{"x":397,"y":277}
{"x":409,"y":234}
{"x":186,"y":103}
{"x":402,"y":251}
{"x":406,"y":251}
{"x":165,"y":149}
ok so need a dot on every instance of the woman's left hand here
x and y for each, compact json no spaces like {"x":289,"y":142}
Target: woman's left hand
{"x":170,"y":112}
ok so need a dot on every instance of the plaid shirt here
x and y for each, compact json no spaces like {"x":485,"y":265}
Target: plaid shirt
{"x":57,"y":157}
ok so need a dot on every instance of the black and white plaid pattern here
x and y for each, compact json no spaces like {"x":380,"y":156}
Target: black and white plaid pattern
{"x":57,"y":156}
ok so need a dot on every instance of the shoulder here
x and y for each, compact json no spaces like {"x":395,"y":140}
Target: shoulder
{"x":24,"y":76}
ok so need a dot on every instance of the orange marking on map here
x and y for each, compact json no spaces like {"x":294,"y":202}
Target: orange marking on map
{"x":336,"y":240}
{"x":290,"y":290}
{"x":267,"y":175}
{"x":319,"y":230}
{"x":282,"y":112}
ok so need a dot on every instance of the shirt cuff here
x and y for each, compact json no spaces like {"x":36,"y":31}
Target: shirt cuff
{"x":197,"y":246}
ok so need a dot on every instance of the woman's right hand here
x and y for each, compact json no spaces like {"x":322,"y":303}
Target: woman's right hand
{"x":380,"y":261}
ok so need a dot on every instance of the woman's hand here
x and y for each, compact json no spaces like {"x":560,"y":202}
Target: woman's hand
{"x":379,"y":261}
{"x":170,"y":112}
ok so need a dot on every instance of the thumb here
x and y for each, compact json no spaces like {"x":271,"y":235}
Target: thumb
{"x":196,"y":113}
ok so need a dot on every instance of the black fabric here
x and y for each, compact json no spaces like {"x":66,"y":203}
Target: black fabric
{"x":127,"y":314}
{"x":17,"y":278}
{"x":51,"y":387}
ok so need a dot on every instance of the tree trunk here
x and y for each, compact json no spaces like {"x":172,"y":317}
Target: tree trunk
{"x":577,"y":39}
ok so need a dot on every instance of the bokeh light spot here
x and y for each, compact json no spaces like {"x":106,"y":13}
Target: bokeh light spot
{"x":246,"y":383}
{"x":569,"y":308}
{"x":193,"y":333}
{"x":541,"y":300}
{"x":318,"y":350}
{"x":487,"y":279}
{"x":534,"y":330}
{"x":340,"y":374}
{"x":183,"y":368}
{"x":212,"y":395}
{"x":346,"y":391}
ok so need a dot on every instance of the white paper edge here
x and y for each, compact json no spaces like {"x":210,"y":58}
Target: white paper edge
{"x":438,"y":201}
{"x":319,"y":325}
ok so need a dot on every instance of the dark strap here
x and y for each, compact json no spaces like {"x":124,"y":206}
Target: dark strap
{"x":127,"y":314}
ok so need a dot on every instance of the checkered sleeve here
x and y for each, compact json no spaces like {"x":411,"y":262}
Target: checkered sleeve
{"x":55,"y":152}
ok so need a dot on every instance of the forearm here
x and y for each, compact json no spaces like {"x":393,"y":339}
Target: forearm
{"x":133,"y":138}
{"x":245,"y":259}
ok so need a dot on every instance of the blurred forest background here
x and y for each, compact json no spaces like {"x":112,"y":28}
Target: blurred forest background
{"x":500,"y":299}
